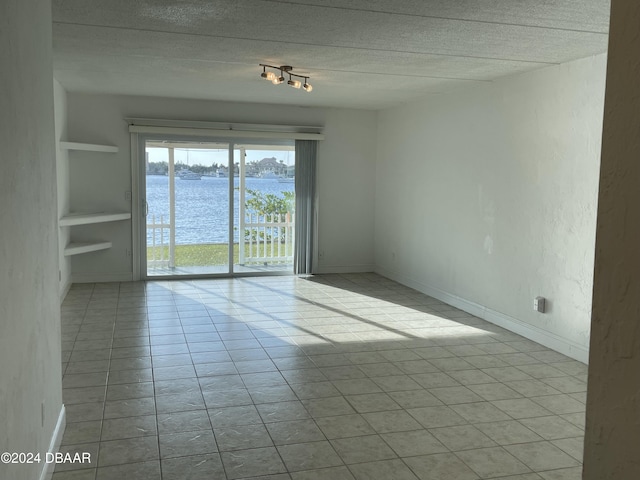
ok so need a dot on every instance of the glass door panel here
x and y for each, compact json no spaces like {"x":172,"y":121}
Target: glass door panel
{"x":264,"y":206}
{"x":187,"y":208}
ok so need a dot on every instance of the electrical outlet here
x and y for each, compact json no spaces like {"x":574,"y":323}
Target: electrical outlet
{"x":127,"y":196}
{"x":540,"y":304}
{"x":128,"y":252}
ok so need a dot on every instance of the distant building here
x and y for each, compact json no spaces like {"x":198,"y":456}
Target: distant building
{"x":270,"y":165}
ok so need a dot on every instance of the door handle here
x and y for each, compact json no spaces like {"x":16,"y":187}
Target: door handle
{"x":146,"y":208}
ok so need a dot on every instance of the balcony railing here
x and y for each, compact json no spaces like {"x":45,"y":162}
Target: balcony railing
{"x":265,"y":240}
{"x":160,"y":253}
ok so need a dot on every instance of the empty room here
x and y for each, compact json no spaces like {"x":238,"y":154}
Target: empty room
{"x":312,"y":239}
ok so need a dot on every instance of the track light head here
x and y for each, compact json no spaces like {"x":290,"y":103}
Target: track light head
{"x":266,"y":75}
{"x":294,"y":83}
{"x":307,"y":86}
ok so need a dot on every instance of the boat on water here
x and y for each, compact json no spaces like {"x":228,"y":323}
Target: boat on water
{"x":185,"y":174}
{"x":269,"y":174}
{"x":286,"y":180}
{"x":191,"y":176}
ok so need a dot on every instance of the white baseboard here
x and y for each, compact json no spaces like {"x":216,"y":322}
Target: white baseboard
{"x":64,"y":289}
{"x":54,"y":444}
{"x":101,"y":277}
{"x":324,"y":269}
{"x":536,"y":334}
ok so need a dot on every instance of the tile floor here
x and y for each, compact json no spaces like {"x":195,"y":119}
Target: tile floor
{"x":331,"y":377}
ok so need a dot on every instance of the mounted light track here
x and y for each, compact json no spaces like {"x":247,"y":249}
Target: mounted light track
{"x":277,"y":77}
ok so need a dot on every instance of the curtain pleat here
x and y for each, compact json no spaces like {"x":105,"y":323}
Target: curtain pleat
{"x":305,"y":183}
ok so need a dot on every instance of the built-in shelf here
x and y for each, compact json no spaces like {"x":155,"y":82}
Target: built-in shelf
{"x":88,"y":147}
{"x":87,"y":218}
{"x":73,"y":219}
{"x":76,"y":248}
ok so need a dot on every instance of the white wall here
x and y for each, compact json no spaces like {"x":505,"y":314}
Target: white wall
{"x":30,"y":373}
{"x":486,"y":198}
{"x":346,"y":180}
{"x":62,"y":171}
{"x":345,"y":173}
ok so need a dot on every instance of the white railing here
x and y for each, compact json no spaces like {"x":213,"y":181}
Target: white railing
{"x":267,"y":238}
{"x":158,"y":248}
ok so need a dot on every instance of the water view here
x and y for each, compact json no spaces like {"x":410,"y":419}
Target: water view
{"x":202,"y":206}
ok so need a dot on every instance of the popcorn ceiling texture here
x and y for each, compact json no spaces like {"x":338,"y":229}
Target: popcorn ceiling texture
{"x":359,"y":54}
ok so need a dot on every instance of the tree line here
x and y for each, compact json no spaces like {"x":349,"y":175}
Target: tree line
{"x":162,"y":168}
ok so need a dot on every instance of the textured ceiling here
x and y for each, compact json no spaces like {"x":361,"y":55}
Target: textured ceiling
{"x":358,"y":53}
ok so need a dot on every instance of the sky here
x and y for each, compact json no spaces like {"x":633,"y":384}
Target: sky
{"x":219,"y":156}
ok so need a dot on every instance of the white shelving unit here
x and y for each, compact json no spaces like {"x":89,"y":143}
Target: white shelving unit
{"x":88,"y":218}
{"x":88,"y":147}
{"x":76,"y":248}
{"x":74,"y":219}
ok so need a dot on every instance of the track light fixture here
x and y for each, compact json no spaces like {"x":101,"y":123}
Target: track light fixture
{"x":278,"y":77}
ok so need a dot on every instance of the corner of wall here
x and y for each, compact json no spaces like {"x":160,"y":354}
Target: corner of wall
{"x":62,"y":185}
{"x":346,"y":181}
{"x":30,"y":340}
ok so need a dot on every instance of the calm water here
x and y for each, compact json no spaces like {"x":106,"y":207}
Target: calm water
{"x":202,"y":206}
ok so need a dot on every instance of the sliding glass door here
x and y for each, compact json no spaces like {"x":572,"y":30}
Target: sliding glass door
{"x":217,"y":208}
{"x":265,"y":201}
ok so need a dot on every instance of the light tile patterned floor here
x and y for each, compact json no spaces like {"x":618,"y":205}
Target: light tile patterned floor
{"x":331,"y":377}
